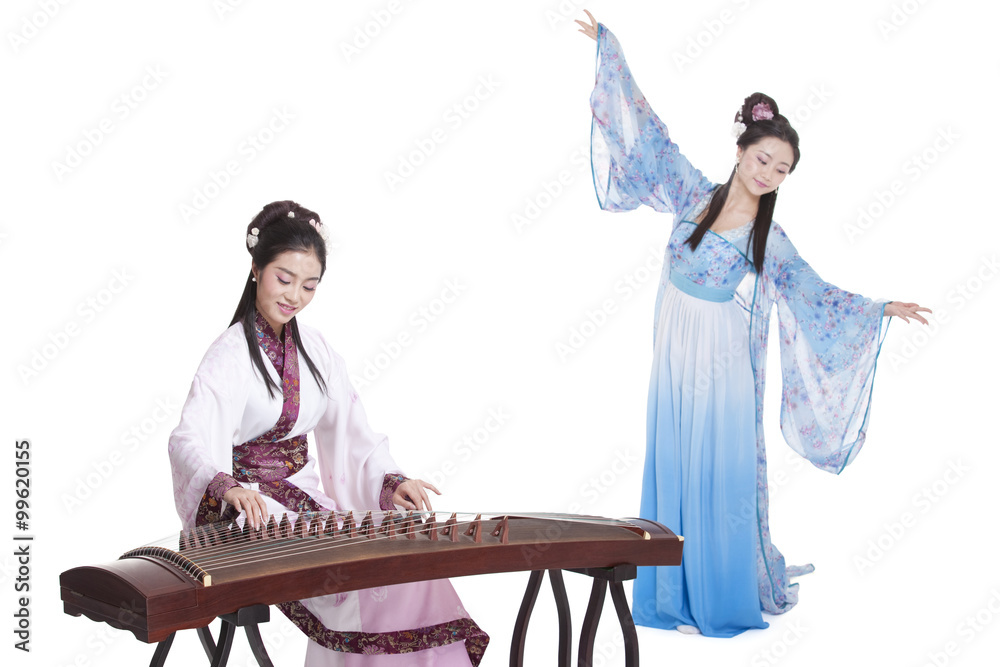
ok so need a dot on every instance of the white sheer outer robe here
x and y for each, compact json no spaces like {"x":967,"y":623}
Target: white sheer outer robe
{"x":228,"y":405}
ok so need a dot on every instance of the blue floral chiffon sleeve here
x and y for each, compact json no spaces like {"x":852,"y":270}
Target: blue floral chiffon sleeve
{"x":829,"y":341}
{"x":634,"y":161}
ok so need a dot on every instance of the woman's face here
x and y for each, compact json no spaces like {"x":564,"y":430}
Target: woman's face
{"x":286,"y":286}
{"x":764,"y":165}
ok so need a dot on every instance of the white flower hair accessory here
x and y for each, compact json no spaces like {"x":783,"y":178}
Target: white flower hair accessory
{"x":252,"y":237}
{"x":760,"y":111}
{"x":738,"y":127}
{"x":291,"y":214}
{"x":321,"y":229}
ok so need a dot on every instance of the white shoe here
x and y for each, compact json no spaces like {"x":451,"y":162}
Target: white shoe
{"x":688,"y":630}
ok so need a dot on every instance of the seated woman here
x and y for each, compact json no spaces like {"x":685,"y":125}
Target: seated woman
{"x":241,"y":448}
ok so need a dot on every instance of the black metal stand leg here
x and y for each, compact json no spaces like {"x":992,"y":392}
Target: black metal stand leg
{"x":604,"y":578}
{"x":565,"y":623}
{"x":226,"y":633}
{"x":249,"y":619}
{"x":588,"y":633}
{"x":162,"y":648}
{"x":207,"y":643}
{"x":523,"y":615}
{"x":628,"y":626}
{"x":257,"y":645}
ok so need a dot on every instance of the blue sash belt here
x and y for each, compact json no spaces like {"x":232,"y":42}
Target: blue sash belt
{"x":688,"y":286}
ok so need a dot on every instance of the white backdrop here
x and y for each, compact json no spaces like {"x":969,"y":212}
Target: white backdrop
{"x":446,"y":145}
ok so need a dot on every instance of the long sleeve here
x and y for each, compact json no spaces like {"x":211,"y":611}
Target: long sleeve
{"x":633,"y":159}
{"x":209,"y":425}
{"x":829,"y":340}
{"x":354,"y":460}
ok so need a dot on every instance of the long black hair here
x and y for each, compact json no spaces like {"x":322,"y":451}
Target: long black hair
{"x":275,"y":232}
{"x":777,"y":126}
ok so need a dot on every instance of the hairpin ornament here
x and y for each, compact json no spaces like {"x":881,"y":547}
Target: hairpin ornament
{"x":321,"y":229}
{"x":761,"y":111}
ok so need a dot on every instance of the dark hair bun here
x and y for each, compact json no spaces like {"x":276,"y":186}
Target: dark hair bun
{"x":277,"y":211}
{"x":758,"y":107}
{"x":759,"y":118}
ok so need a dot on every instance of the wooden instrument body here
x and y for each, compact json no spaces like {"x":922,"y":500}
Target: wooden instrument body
{"x":152,"y":597}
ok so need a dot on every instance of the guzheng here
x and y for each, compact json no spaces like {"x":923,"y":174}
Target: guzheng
{"x":216,"y":569}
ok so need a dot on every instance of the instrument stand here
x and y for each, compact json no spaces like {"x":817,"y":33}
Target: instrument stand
{"x":248,"y":618}
{"x":604,"y":578}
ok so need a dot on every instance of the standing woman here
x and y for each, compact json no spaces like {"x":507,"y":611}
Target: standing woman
{"x":241,"y":448}
{"x":726,"y":264}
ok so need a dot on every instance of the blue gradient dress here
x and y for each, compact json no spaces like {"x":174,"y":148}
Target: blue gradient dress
{"x":705,"y":472}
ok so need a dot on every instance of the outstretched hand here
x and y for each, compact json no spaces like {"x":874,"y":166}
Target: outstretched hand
{"x":249,"y":501}
{"x":906,"y":311}
{"x":590,"y":30}
{"x":412,"y":494}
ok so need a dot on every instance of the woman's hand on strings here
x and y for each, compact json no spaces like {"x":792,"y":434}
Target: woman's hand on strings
{"x":412,"y":494}
{"x":588,"y":29}
{"x":906,"y":311}
{"x":249,"y":501}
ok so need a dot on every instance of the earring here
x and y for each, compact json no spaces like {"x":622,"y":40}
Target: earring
{"x":254,"y":279}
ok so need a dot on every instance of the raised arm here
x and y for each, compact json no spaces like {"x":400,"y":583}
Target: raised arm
{"x":634,"y":161}
{"x":829,"y":340}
